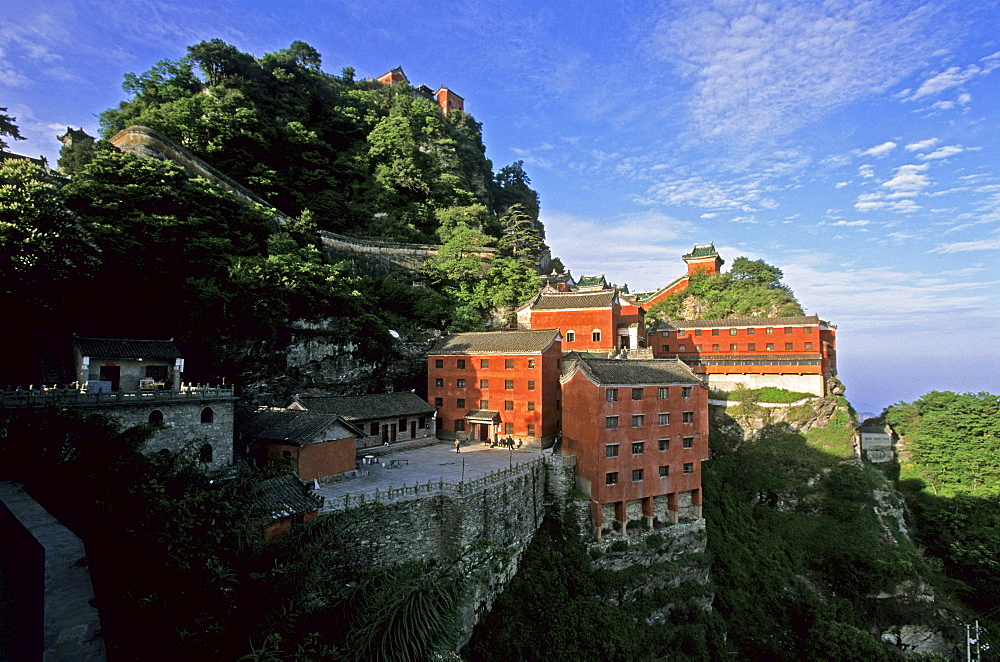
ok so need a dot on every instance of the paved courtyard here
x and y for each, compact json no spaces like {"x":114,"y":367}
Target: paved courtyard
{"x":430,"y":463}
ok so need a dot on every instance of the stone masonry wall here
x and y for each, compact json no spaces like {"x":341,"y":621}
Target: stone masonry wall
{"x":182,"y":425}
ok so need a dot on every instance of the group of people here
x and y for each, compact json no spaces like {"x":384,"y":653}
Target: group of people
{"x":503,"y":443}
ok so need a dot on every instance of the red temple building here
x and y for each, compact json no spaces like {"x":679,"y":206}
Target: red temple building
{"x":497,"y":383}
{"x":588,"y":320}
{"x":795,"y":353}
{"x":639,"y":431}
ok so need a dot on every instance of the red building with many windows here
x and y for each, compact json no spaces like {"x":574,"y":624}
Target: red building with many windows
{"x":497,"y":383}
{"x":587,"y":320}
{"x":639,"y":430}
{"x":796,"y":353}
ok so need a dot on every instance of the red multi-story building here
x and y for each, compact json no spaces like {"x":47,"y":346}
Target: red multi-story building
{"x":701,"y":258}
{"x":639,"y":430}
{"x":587,"y":320}
{"x":796,"y":353}
{"x":497,"y":383}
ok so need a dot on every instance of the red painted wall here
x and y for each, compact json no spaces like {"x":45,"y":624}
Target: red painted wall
{"x":312,"y":460}
{"x":582,"y":323}
{"x":545,"y":395}
{"x":586,"y":436}
{"x":283,"y":526}
{"x":679,"y":286}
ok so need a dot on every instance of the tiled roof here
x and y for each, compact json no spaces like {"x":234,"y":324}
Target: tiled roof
{"x":702,"y":251}
{"x":575,"y":300}
{"x":127,"y":348}
{"x":757,"y":322}
{"x":643,"y":297}
{"x":496,"y":342}
{"x":482,"y":415}
{"x":293,"y":427}
{"x":625,"y":372}
{"x":592,"y":281}
{"x":368,"y":407}
{"x":284,"y":496}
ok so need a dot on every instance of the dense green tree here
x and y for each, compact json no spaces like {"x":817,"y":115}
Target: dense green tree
{"x":521,"y":237}
{"x":8,"y":128}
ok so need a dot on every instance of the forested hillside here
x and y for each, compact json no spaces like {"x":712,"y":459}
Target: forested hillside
{"x":752,"y":288}
{"x":131,"y":247}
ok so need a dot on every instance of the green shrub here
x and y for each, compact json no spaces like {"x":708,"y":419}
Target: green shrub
{"x":618,"y":546}
{"x":654,"y":540}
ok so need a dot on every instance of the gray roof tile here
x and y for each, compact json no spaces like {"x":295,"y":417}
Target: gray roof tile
{"x":626,"y":372}
{"x":293,"y":427}
{"x":575,"y":300}
{"x":285,"y":496}
{"x":666,"y":325}
{"x":127,"y":348}
{"x":369,"y":407}
{"x":495,"y":342}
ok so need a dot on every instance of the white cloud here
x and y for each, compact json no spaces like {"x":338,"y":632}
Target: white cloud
{"x":760,"y":70}
{"x":944,"y":152}
{"x":922,"y":145}
{"x":909,"y":180}
{"x":992,"y":244}
{"x":840,"y":184}
{"x":852,"y":224}
{"x":700,"y":192}
{"x":880,"y":150}
{"x":866,"y":171}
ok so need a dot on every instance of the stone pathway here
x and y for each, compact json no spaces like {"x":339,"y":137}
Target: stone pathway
{"x":430,"y":463}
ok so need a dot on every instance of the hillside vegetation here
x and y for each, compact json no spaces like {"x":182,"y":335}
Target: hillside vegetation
{"x":132,"y":247}
{"x":752,"y":288}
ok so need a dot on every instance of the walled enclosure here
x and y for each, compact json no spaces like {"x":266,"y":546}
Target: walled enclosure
{"x":814,"y":384}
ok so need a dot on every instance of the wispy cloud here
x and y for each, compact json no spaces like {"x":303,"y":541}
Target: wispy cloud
{"x":944,"y":152}
{"x":953,"y":77}
{"x":880,"y":150}
{"x":922,"y":145}
{"x":991,"y":244}
{"x":711,"y":195}
{"x":760,"y":70}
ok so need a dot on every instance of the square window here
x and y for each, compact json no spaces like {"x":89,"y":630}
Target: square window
{"x":688,"y":417}
{"x":611,"y":395}
{"x":664,"y":472}
{"x":662,"y":393}
{"x":663,"y":419}
{"x":715,"y":348}
{"x":484,"y":383}
{"x":508,"y":384}
{"x":484,"y":404}
{"x":531,"y":363}
{"x":508,"y":405}
{"x":682,"y":348}
{"x":531,"y":406}
{"x":610,"y":422}
{"x":788,"y":346}
{"x":697,"y":348}
{"x":688,"y":442}
{"x":752,"y":347}
{"x":461,"y":364}
{"x":596,"y":335}
{"x":484,"y":363}
{"x":682,"y":333}
{"x":751,"y":332}
{"x":636,"y":475}
{"x":373,"y":428}
{"x":788,"y":329}
{"x":769,"y":346}
{"x":769,"y":330}
{"x":610,"y":450}
{"x":438,"y":402}
{"x":809,"y":345}
{"x":508,"y":428}
{"x":637,"y":394}
{"x":531,"y":429}
{"x":531,"y":384}
{"x":732,"y":332}
{"x":697,"y":332}
{"x":666,"y":348}
{"x":808,"y":329}
{"x":732,"y":347}
{"x":688,"y":468}
{"x":664,"y":444}
{"x":460,"y":403}
{"x":685,"y":391}
{"x":665,"y":334}
{"x":715,"y":332}
{"x":637,"y":420}
{"x":439,"y":383}
{"x":459,"y":425}
{"x":570,"y":336}
{"x":438,"y":363}
{"x":611,"y":478}
{"x":460,"y":383}
{"x":637,"y":447}
{"x":508,"y":364}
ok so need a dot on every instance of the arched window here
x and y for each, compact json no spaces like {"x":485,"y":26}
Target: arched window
{"x":207,"y":415}
{"x":205,"y":454}
{"x":596,"y":335}
{"x":155,"y":416}
{"x":571,"y":336}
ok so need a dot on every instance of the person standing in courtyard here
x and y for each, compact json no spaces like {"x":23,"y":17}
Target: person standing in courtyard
{"x":458,"y":445}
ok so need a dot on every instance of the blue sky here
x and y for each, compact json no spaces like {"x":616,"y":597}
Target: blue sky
{"x":852,"y":144}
